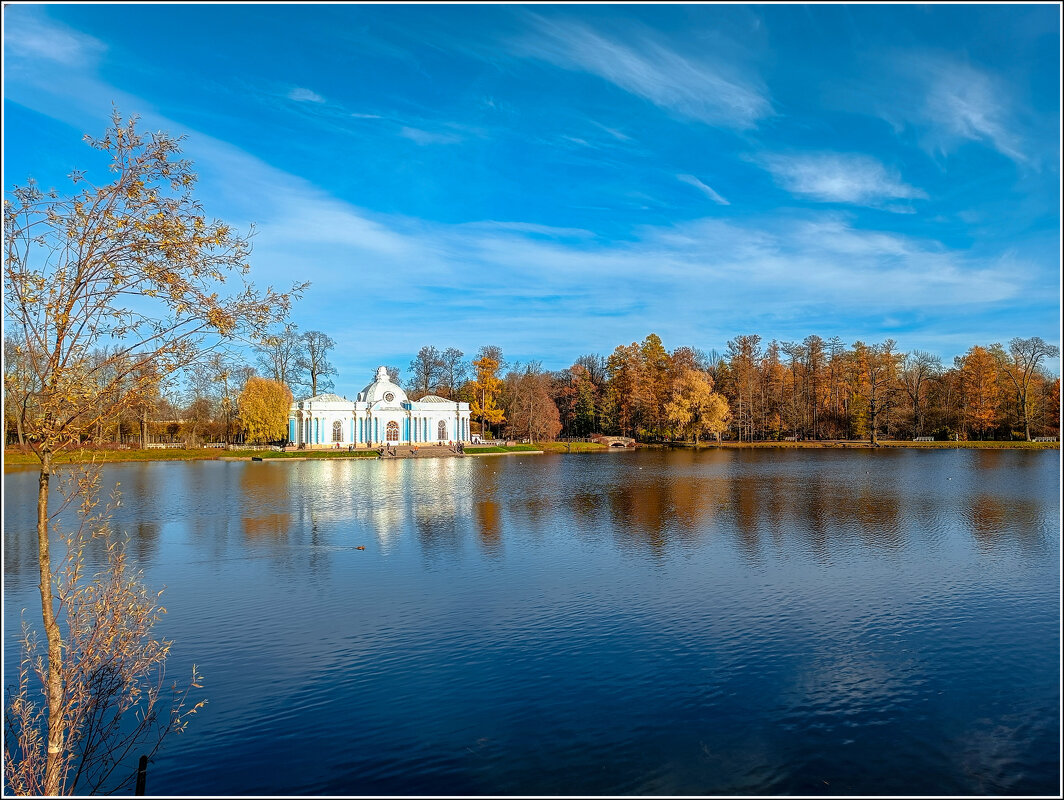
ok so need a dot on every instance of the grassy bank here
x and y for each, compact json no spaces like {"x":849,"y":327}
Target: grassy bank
{"x":514,"y":448}
{"x":854,"y":443}
{"x":576,"y":447}
{"x":17,"y":458}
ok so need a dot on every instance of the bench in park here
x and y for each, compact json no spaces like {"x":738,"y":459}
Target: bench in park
{"x":924,"y":439}
{"x":1045,"y":438}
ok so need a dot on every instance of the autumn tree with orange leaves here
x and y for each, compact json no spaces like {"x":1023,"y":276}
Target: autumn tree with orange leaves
{"x":982,"y":390}
{"x":133,"y":265}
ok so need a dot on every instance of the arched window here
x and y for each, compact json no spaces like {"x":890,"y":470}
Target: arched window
{"x":441,"y":430}
{"x":338,"y":431}
{"x":391,"y":431}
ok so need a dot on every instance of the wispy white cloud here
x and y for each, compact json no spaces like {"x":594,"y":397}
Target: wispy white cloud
{"x":423,"y":137}
{"x":838,"y":178}
{"x":947,"y":102}
{"x":29,"y":35}
{"x":301,"y":95}
{"x":965,"y":103}
{"x":531,"y":228}
{"x":686,"y":86}
{"x":616,"y":134}
{"x":547,"y":290}
{"x":708,"y":191}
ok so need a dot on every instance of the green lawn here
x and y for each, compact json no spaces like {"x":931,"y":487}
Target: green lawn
{"x":577,"y":447}
{"x":514,"y":448}
{"x":895,"y":443}
{"x":15,"y":458}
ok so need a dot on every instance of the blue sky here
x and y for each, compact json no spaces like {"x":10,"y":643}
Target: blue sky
{"x":559,"y":180}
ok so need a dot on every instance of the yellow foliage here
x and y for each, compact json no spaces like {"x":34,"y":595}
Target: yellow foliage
{"x":486,"y":389}
{"x":694,"y":408}
{"x":264,"y":408}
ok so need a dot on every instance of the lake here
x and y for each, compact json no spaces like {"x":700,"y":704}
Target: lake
{"x":651,"y":622}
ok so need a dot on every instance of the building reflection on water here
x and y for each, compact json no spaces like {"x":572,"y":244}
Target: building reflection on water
{"x":763,"y":502}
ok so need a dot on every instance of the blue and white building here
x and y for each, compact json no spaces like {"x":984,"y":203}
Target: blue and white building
{"x":381,"y":414}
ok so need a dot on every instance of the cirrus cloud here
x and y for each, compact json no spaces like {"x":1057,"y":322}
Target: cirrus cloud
{"x":838,"y":178}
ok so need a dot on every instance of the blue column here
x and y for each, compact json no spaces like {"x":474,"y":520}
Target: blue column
{"x":360,"y":430}
{"x":376,"y":430}
{"x":291,"y":430}
{"x":351,"y":438}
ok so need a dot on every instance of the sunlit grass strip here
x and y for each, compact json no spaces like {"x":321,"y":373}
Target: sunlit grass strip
{"x":972,"y":445}
{"x":514,"y":448}
{"x":570,"y":447}
{"x":177,"y":454}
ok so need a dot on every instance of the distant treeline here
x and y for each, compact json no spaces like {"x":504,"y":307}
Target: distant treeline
{"x":813,"y":389}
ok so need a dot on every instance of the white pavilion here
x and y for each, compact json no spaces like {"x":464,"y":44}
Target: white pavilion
{"x":381,"y":415}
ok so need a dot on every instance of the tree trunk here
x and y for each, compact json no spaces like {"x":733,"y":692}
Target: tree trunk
{"x":872,"y":414}
{"x":144,"y":430}
{"x":53,"y":682}
{"x":1026,"y":416}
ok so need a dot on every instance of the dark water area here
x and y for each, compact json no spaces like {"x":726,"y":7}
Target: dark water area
{"x":659,"y":622}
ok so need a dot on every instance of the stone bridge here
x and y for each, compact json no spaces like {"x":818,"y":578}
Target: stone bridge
{"x":616,"y":441}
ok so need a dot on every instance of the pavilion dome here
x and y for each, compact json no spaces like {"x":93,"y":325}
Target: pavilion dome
{"x":382,"y":390}
{"x":434,"y":398}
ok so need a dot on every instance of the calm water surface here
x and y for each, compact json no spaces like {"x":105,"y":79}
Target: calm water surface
{"x":808,"y":622}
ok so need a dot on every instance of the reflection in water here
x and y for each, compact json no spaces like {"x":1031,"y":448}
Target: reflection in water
{"x":716,"y":622}
{"x":275,"y":526}
{"x":488,"y":516}
{"x":665,"y":501}
{"x":993,"y":518}
{"x":660,"y":508}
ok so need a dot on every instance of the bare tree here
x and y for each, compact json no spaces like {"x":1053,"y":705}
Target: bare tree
{"x":530,"y":409}
{"x":279,"y":354}
{"x":134,"y":262}
{"x":1026,"y":355}
{"x":917,"y":368}
{"x":314,"y":363}
{"x":426,"y":370}
{"x":455,"y":372}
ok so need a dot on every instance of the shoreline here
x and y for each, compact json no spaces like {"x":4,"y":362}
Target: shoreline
{"x":19,"y":459}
